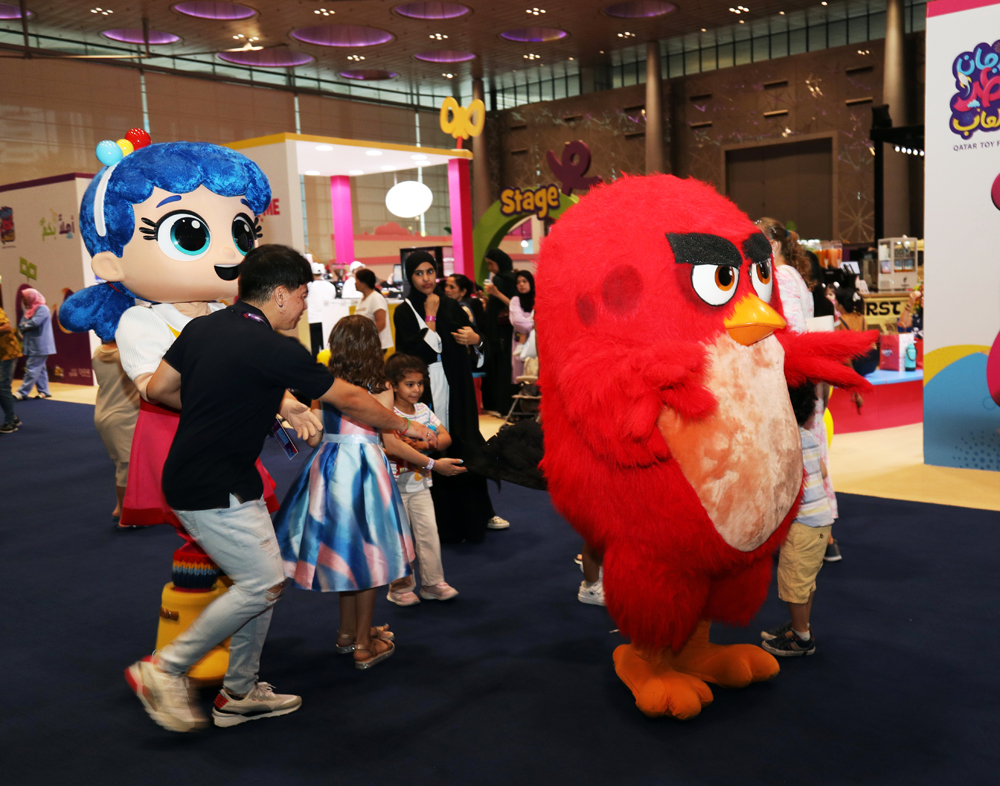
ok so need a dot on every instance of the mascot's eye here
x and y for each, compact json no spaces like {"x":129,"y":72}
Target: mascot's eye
{"x":183,"y":235}
{"x":763,"y":280}
{"x":715,"y":284}
{"x":244,"y":234}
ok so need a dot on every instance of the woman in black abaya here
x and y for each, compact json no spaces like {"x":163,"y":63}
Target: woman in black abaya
{"x":437,"y":330}
{"x":498,"y":391}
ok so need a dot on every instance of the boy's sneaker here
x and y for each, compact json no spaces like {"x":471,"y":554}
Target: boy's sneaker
{"x":261,"y":702}
{"x":775,"y":633}
{"x":832,"y":552}
{"x":8,"y":428}
{"x":438,"y":591}
{"x":405,"y":598}
{"x":166,"y":697}
{"x":790,"y":645}
{"x":498,"y":523}
{"x":592,"y":595}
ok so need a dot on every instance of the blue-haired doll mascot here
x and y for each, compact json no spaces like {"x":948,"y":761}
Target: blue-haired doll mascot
{"x":167,"y":226}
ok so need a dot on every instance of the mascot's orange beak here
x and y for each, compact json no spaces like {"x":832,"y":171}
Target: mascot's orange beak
{"x":752,"y":321}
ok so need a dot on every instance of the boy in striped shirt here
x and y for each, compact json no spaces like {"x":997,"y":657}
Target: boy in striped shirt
{"x":802,"y":552}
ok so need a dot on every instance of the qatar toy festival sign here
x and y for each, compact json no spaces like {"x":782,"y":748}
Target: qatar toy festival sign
{"x":961,"y":224}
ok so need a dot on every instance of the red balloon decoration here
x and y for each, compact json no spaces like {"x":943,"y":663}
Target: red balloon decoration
{"x":138,"y":138}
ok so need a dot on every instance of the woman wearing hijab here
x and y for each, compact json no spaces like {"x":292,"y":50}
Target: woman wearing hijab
{"x":39,"y":343}
{"x":437,"y":330}
{"x":522,"y":319}
{"x":499,"y":333}
{"x":461,"y":289}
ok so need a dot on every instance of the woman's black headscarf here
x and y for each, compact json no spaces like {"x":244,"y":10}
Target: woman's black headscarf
{"x":528,"y":300}
{"x":415,"y":296}
{"x":504,"y":262}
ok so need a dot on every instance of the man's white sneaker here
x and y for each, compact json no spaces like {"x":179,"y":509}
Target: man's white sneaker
{"x":440,"y":591}
{"x":261,"y":702}
{"x":593,"y":595}
{"x":166,"y":697}
{"x":497,"y":523}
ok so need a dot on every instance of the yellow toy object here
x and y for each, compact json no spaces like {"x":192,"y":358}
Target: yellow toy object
{"x":828,"y":422}
{"x":178,"y":610}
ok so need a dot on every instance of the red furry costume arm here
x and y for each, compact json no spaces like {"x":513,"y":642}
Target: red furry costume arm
{"x":613,"y":394}
{"x":820,"y":357}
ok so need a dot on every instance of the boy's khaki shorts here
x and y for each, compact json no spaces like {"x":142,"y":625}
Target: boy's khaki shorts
{"x":800,"y":561}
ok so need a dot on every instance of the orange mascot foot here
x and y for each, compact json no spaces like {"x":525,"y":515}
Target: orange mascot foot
{"x":728,"y":665}
{"x":667,"y":683}
{"x":658,"y":688}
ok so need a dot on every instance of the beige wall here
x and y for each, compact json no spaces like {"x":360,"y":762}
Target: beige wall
{"x":54,"y":112}
{"x":198,"y":110}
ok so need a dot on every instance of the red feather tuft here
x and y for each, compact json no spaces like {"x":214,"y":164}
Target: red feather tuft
{"x":820,"y":357}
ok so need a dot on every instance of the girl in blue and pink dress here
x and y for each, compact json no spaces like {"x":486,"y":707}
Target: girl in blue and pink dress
{"x":342,"y":527}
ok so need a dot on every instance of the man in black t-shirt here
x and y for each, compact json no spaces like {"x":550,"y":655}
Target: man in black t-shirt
{"x":228,"y":373}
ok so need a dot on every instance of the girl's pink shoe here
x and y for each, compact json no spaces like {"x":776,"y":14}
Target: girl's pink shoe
{"x":438,"y":592}
{"x":406,"y":598}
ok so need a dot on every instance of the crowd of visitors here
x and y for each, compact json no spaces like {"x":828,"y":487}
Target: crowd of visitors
{"x":380,"y":430}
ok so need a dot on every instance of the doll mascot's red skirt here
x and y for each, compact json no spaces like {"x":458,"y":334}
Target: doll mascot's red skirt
{"x":144,"y":501}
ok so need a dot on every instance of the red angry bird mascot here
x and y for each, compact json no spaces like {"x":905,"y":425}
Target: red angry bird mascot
{"x":670,"y":442}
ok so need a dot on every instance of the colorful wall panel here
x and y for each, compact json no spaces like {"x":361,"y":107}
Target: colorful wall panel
{"x":962,"y":222}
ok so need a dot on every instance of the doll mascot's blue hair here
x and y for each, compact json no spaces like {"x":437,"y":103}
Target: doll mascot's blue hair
{"x":107,"y":220}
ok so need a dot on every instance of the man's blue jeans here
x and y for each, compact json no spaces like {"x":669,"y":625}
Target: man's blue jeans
{"x":240,"y":539}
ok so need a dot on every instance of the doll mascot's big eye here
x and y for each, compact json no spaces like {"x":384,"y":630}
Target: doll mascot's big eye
{"x":183,"y":235}
{"x":244,"y":233}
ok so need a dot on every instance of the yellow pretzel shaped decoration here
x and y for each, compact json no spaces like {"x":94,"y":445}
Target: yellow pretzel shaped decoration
{"x":461,"y":123}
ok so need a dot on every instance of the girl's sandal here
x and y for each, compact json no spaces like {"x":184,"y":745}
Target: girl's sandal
{"x":382,"y":632}
{"x":345,"y":642}
{"x":376,"y":653}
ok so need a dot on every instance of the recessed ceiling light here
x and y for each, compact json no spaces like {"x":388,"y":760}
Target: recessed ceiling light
{"x":324,"y":148}
{"x":600,"y":52}
{"x":743,"y":21}
{"x":324,"y":12}
{"x":419,"y":157}
{"x":626,"y":34}
{"x":388,"y":168}
{"x":311,"y":172}
{"x":448,"y":76}
{"x":101,"y":11}
{"x":704,"y":29}
{"x":781,"y":13}
{"x":823,"y":3}
{"x":571,"y":58}
{"x":355,"y":171}
{"x":438,"y":36}
{"x":536,"y":11}
{"x":532,"y":57}
{"x":373,"y":152}
{"x":357,"y":58}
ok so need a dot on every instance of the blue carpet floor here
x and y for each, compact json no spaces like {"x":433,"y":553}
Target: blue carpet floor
{"x":510,"y":683}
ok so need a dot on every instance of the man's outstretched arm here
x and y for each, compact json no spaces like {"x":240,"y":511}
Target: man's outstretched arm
{"x":165,"y":385}
{"x":359,"y":404}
